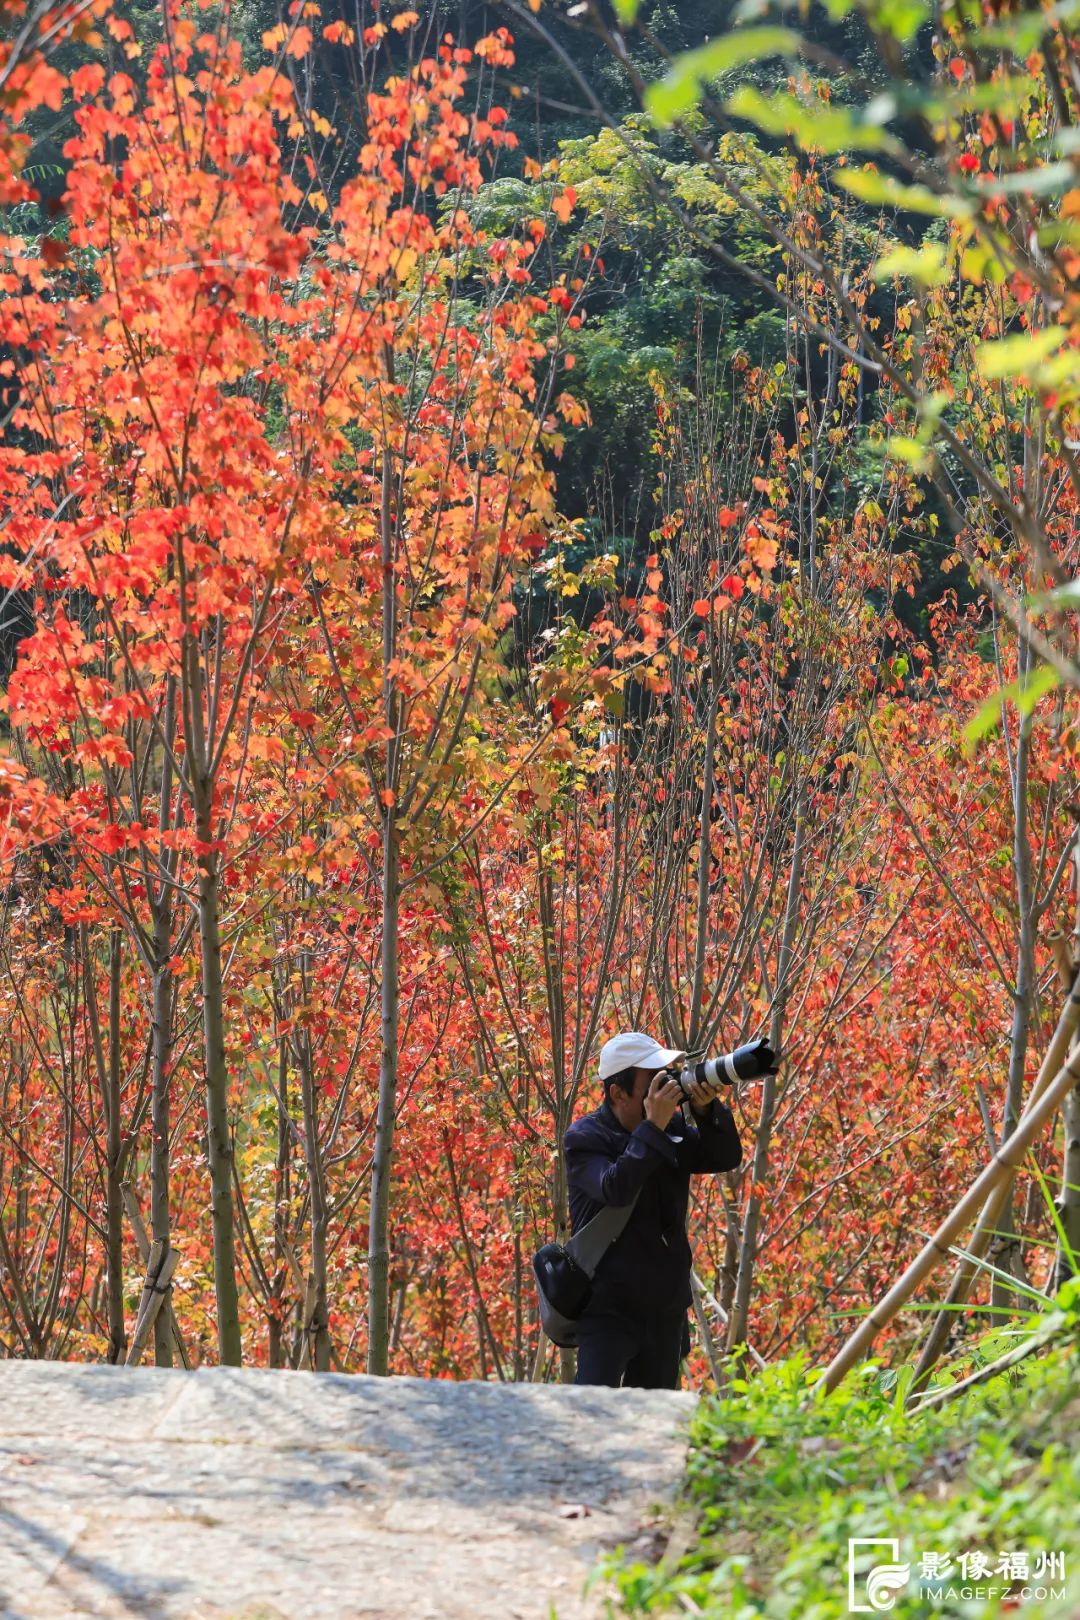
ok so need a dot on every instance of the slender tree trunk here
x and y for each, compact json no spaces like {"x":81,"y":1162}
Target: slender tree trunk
{"x":519,"y":1301}
{"x":386,"y":1114}
{"x":144,"y":1246}
{"x":160,"y":1125}
{"x":378,"y":1234}
{"x":1068,"y":1253}
{"x":318,"y":1324}
{"x":108,"y":1066}
{"x":740,"y":1308}
{"x":218,"y":1141}
{"x":1068,"y":1256}
{"x":161,"y":1033}
{"x":556,"y":1012}
{"x":729,"y":1270}
{"x":114,"y":1217}
{"x":704,"y":864}
{"x":282,"y":1199}
{"x":1006,"y":1247}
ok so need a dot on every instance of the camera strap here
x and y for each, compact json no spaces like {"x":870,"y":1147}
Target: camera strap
{"x":588,"y":1247}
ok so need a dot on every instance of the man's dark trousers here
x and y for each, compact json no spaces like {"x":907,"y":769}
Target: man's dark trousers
{"x":616,"y":1348}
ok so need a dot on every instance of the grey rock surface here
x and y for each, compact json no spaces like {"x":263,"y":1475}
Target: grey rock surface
{"x":255,"y":1495}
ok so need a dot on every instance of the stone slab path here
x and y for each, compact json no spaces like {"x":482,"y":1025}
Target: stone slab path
{"x":255,"y":1495}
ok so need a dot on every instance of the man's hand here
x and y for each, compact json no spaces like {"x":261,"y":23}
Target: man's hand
{"x":661,"y":1100}
{"x":701,"y":1097}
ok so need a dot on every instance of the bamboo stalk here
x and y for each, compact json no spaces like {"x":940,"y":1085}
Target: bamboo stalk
{"x":1061,"y":950}
{"x":1002,"y":1167}
{"x":705,"y":1331}
{"x":966,"y":1271}
{"x":142,"y":1243}
{"x":708,"y":1298}
{"x":159,"y":1270}
{"x":541,"y":1358}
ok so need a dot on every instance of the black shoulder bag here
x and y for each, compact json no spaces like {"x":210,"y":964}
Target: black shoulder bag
{"x":564,"y":1273}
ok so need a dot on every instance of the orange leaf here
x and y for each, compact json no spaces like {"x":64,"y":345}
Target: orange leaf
{"x":563,"y":205}
{"x":762,"y":552}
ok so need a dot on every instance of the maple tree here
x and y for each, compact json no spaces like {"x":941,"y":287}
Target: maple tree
{"x":251,"y":426}
{"x":329,"y":866}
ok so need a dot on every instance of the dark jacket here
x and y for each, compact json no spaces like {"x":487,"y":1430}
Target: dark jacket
{"x":647,"y":1268}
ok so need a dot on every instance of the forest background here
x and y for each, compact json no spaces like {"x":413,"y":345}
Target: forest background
{"x":500,"y":547}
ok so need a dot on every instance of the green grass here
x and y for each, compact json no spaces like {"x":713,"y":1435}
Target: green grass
{"x":778,"y":1480}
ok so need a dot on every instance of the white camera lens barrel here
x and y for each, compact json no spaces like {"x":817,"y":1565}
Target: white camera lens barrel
{"x":745,"y":1063}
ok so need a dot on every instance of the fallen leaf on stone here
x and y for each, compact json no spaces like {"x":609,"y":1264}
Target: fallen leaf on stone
{"x":573,"y":1510}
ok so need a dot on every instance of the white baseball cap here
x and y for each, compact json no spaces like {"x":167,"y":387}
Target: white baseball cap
{"x":634,"y":1050}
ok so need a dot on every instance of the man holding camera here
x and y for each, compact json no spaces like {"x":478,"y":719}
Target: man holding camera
{"x":635,"y":1330}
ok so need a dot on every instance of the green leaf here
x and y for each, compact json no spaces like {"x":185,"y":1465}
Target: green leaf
{"x":925,"y":265}
{"x":1024,"y":693}
{"x":901,"y":19}
{"x":979,"y":263}
{"x":1063,"y":233}
{"x":1022,"y":33}
{"x":1064,"y":596}
{"x":1022,"y":352}
{"x":817,"y":127}
{"x":1046,"y":181}
{"x":626,"y":10}
{"x":870,"y":186}
{"x":1006,"y":95}
{"x":680,"y":89}
{"x":904,"y":1380}
{"x":910,"y":451}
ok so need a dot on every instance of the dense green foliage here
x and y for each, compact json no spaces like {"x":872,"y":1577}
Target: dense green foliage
{"x":779,"y":1481}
